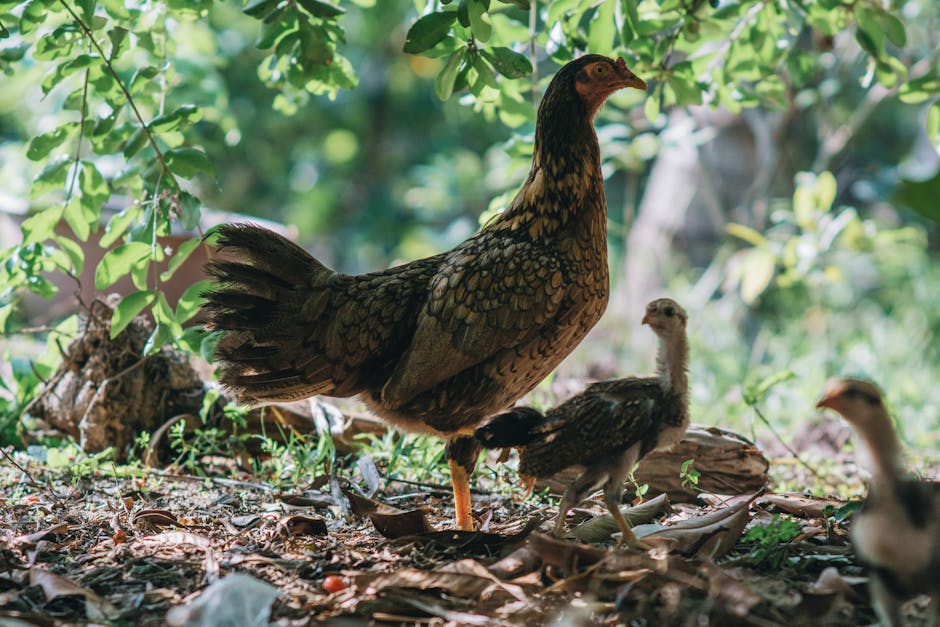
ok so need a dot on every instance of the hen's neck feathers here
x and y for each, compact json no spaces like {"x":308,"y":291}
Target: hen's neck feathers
{"x":565,"y":179}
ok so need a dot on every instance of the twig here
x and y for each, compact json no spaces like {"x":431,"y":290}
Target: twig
{"x":29,"y":477}
{"x":430,"y":486}
{"x":790,"y":450}
{"x":234,"y":483}
{"x":25,"y":472}
{"x":127,"y":94}
{"x":81,"y":134}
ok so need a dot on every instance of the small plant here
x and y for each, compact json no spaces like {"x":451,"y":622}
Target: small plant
{"x":689,"y":476}
{"x":771,"y":540}
{"x":76,"y":463}
{"x":640,"y":489}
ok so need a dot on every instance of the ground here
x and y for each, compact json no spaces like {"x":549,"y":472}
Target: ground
{"x":124,"y":545}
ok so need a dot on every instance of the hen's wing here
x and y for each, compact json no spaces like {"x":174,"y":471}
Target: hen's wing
{"x":491,"y":294}
{"x":604,"y":420}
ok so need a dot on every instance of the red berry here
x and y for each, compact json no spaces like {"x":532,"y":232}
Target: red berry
{"x":334,"y":584}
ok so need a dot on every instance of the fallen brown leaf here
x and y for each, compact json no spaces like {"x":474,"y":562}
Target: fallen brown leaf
{"x":710,"y":536}
{"x":601,"y":528}
{"x":301,"y":525}
{"x":54,"y":586}
{"x":29,"y":540}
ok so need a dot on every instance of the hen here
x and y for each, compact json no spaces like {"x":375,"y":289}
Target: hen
{"x":897,"y":532}
{"x":607,"y":428}
{"x":438,"y":344}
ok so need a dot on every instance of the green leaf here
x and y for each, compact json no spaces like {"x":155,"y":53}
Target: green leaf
{"x":260,"y":8}
{"x":321,"y":9}
{"x":756,"y":391}
{"x":485,"y":73}
{"x":315,"y":44}
{"x":65,"y":69}
{"x":825,"y":190}
{"x":933,"y":124}
{"x":118,"y":224}
{"x":919,"y":89}
{"x":602,"y":29}
{"x":118,"y":262}
{"x":78,"y":219}
{"x":183,"y":116}
{"x":182,"y":254}
{"x":191,"y":300}
{"x":759,"y":266}
{"x":480,"y":24}
{"x":51,"y":178}
{"x":508,"y":62}
{"x":40,"y":226}
{"x":188,"y":162}
{"x":893,"y":28}
{"x":869,"y":32}
{"x":208,"y":344}
{"x":158,"y":339}
{"x":444,"y":83}
{"x":135,"y":142}
{"x":94,"y":188}
{"x":42,"y":145}
{"x":921,"y":196}
{"x":428,"y":30}
{"x":127,"y":310}
{"x":74,"y":251}
{"x":749,"y":235}
{"x":190,"y":210}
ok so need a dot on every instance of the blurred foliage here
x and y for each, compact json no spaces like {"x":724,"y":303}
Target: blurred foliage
{"x":388,"y":130}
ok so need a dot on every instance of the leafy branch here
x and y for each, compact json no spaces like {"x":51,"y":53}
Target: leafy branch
{"x":127,"y":94}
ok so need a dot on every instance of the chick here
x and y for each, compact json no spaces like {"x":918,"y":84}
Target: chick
{"x":897,"y":532}
{"x":609,"y":427}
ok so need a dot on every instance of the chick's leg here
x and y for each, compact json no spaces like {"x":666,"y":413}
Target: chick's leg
{"x":575,"y":493}
{"x":885,"y":602}
{"x":613,"y":497}
{"x":461,"y":454}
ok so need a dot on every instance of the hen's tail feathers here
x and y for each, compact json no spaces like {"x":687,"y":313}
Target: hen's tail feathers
{"x":264,"y":299}
{"x":516,"y":427}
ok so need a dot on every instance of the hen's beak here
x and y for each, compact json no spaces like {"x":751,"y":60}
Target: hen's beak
{"x":628,"y":78}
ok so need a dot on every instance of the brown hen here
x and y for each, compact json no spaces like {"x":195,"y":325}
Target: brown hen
{"x":608,"y":428}
{"x":438,"y":344}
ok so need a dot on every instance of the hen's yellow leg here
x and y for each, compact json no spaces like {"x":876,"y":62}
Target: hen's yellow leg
{"x":460,"y":479}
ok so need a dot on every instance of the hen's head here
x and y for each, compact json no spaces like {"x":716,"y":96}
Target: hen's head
{"x":859,"y":401}
{"x":666,"y":317}
{"x":584,"y":84}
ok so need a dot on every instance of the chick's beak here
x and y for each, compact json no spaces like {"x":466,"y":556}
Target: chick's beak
{"x":825,"y":401}
{"x":831,"y":394}
{"x":647,"y":320}
{"x":628,"y":78}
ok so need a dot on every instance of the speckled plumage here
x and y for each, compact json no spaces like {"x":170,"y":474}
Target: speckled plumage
{"x":437,"y":344}
{"x":603,"y":421}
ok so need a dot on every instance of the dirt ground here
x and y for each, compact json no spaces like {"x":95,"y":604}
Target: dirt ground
{"x":153,"y":548}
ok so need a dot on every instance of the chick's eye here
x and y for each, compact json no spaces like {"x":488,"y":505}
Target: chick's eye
{"x":669,"y":311}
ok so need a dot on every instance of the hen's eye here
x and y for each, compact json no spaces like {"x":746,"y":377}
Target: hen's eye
{"x":599,"y":70}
